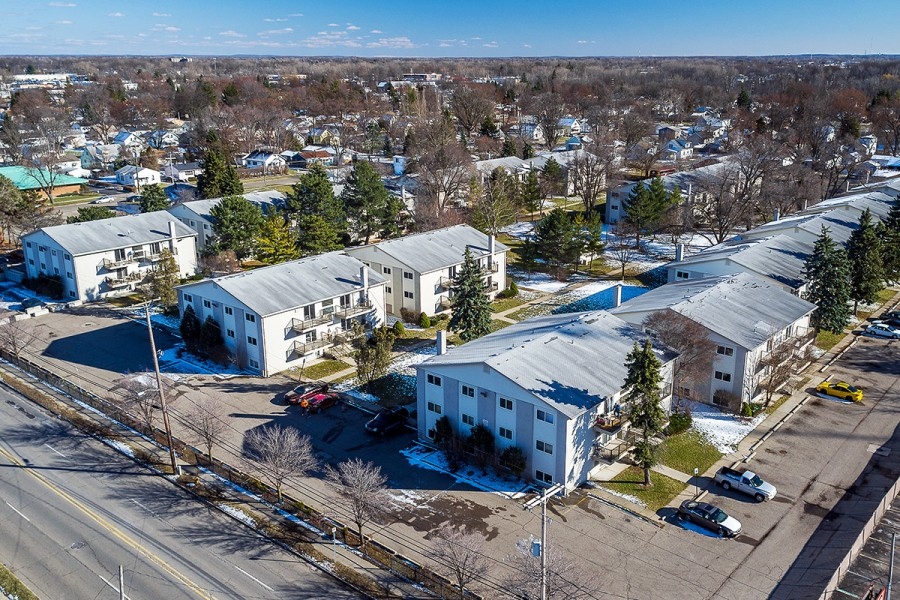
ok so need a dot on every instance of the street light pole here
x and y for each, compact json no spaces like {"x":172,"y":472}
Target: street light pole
{"x":162,"y":394}
{"x":696,"y":482}
{"x":334,"y":547}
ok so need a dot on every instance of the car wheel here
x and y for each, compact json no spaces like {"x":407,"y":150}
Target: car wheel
{"x":760,"y":497}
{"x":726,"y":485}
{"x":721,"y":531}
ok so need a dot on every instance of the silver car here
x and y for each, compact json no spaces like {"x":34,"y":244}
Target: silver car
{"x":882,"y":330}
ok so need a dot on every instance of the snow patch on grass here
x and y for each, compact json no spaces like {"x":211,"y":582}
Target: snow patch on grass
{"x":428,"y":458}
{"x":627,"y":497}
{"x":119,"y":446}
{"x":723,"y":430}
{"x":238,"y":514}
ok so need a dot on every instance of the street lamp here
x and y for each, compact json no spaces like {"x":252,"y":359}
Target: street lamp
{"x":162,"y":394}
{"x":696,"y":482}
{"x":334,"y":547}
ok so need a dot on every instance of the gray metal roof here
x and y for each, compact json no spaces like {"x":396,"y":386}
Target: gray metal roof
{"x":118,"y":232}
{"x":438,"y":249}
{"x":840,"y":225}
{"x":286,"y":286}
{"x":264,"y":200}
{"x":570,"y":361}
{"x":742,"y":308}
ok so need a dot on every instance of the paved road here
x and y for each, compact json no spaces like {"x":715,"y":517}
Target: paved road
{"x":73,"y":510}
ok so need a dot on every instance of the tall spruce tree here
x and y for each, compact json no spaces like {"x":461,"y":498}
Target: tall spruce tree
{"x":471,"y":309}
{"x":531,"y":199}
{"x":889,"y":233}
{"x":153,"y":198}
{"x":219,"y":178}
{"x":190,"y":329}
{"x":314,"y":195}
{"x":558,"y":240}
{"x":366,"y":199}
{"x":827,"y":272}
{"x":864,"y":252}
{"x":644,"y":206}
{"x":276,"y":243}
{"x":317,"y":235}
{"x":642,"y":393}
{"x":236,"y":224}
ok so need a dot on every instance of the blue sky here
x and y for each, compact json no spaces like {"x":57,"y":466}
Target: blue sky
{"x":449,"y":28}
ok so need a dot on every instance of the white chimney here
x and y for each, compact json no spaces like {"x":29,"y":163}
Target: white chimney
{"x":617,"y":295}
{"x":364,"y":277}
{"x":492,"y":244}
{"x":441,"y":342}
{"x":172,"y":236}
{"x":777,"y":214}
{"x":679,"y":252}
{"x":805,"y":204}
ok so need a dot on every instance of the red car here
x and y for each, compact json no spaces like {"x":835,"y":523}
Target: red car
{"x":304,"y":391}
{"x":319,"y":402}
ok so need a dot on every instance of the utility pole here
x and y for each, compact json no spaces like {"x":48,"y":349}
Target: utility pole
{"x":162,"y":394}
{"x":891,"y":567}
{"x":545,"y":496}
{"x":121,"y":583}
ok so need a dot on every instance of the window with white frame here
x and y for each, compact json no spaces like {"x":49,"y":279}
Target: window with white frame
{"x":682,"y":275}
{"x":408,"y":295}
{"x":387,"y":289}
{"x":230,"y":332}
{"x":407,"y":275}
{"x":435,"y":408}
{"x":544,"y":446}
{"x":386,"y":270}
{"x":721,"y":376}
{"x":468,"y":420}
{"x":207,"y":304}
{"x":251,"y":340}
{"x":506,"y":403}
{"x":254,"y":363}
{"x":468,"y":390}
{"x":543,"y":477}
{"x":434,"y":380}
{"x":505,"y":433}
{"x":724,"y":350}
{"x":251,"y":318}
{"x":188,"y":298}
{"x":543,"y":415}
{"x":229,"y":310}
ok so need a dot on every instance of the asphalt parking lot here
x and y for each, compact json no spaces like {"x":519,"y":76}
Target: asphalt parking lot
{"x":829,"y":463}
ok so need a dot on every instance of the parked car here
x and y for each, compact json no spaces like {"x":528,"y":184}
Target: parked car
{"x":746,"y":482}
{"x":882,"y":330}
{"x":305,"y":391}
{"x":387,"y":420}
{"x":103,"y":200}
{"x":33,"y":303}
{"x":841,"y":389}
{"x":709,"y":517}
{"x":319,"y":402}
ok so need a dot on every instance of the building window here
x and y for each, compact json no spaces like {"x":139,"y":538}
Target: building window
{"x":387,"y":289}
{"x":386,"y":270}
{"x":28,"y":244}
{"x":506,"y":403}
{"x":545,"y":416}
{"x":544,"y":446}
{"x":251,"y":340}
{"x":434,"y":407}
{"x":206,"y":304}
{"x":67,"y":257}
{"x":254,"y":363}
{"x":188,"y":298}
{"x":251,"y":318}
{"x":468,"y":420}
{"x":723,"y":376}
{"x":31,"y":261}
{"x":53,"y":252}
{"x":407,"y":275}
{"x":43,"y":267}
{"x":682,"y":275}
{"x":55,"y":271}
{"x":434,"y":380}
{"x":42,"y":248}
{"x":229,"y":310}
{"x":505,"y":433}
{"x":69,"y":274}
{"x":724,"y":350}
{"x":408,"y":295}
{"x":543,"y":477}
{"x":614,"y":207}
{"x":229,"y":332}
{"x":468,"y":390}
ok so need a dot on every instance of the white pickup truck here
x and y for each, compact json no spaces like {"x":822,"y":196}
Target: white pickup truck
{"x":747,"y":482}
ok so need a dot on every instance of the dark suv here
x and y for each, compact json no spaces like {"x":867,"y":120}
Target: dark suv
{"x":387,"y":420}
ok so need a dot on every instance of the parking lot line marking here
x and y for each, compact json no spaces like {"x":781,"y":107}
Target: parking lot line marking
{"x":252,"y":577}
{"x":16,"y":510}
{"x":55,"y":450}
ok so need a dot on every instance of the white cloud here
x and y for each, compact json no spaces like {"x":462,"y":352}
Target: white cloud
{"x":475,"y":38}
{"x":63,"y":4}
{"x":376,"y":31}
{"x":64,"y":22}
{"x":171,"y":28}
{"x":333,"y":25}
{"x":274,"y":20}
{"x":581,"y":42}
{"x":491,"y":45}
{"x":115,"y":14}
{"x":526,"y":45}
{"x":295,"y":15}
{"x":269,"y":32}
{"x":159,"y":14}
{"x":352,"y":28}
{"x":392,"y":42}
{"x":231,"y":33}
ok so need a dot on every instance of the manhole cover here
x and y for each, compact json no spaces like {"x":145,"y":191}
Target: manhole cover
{"x":77,"y":545}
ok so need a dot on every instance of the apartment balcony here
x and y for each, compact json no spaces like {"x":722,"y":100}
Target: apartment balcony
{"x":444,"y":303}
{"x":301,"y":325}
{"x":361,"y":307}
{"x":491,"y":286}
{"x":493,"y":268}
{"x":444,"y":283}
{"x":304,"y":348}
{"x":117,"y":283}
{"x":147,"y":256}
{"x":110,"y":265}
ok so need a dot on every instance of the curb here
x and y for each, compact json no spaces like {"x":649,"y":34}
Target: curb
{"x":659,"y":524}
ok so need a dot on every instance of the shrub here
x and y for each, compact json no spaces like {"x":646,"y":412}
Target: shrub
{"x":679,"y":422}
{"x":511,"y":292}
{"x":513,"y":459}
{"x":444,"y":317}
{"x":443,"y":431}
{"x":399,"y":329}
{"x":407,"y":315}
{"x":424,"y":321}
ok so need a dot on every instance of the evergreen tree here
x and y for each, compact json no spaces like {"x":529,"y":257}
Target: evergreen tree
{"x":531,"y":198}
{"x":471,"y":311}
{"x":190,"y":329}
{"x":314,"y":195}
{"x":276,"y":243}
{"x":219,"y":178}
{"x":889,"y":233}
{"x":91,"y":213}
{"x":591,"y":230}
{"x":161,"y":281}
{"x":509,"y":147}
{"x":659,"y":198}
{"x":366,"y":200}
{"x":153,"y":198}
{"x":827,"y":272}
{"x":642,"y":385}
{"x":558,"y":240}
{"x":210,"y":336}
{"x":551,"y":177}
{"x":527,"y":151}
{"x":317,"y":235}
{"x":864,"y":253}
{"x":237,"y":222}
{"x":743,"y":99}
{"x":373,"y":355}
{"x":644,"y":207}
{"x":392,"y":221}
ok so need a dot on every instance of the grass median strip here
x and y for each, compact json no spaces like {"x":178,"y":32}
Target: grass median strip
{"x":689,"y":450}
{"x":630,"y":482}
{"x":11,"y":587}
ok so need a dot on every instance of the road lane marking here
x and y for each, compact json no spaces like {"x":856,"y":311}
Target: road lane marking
{"x":147,"y":509}
{"x":252,"y":577}
{"x":107,"y":582}
{"x":17,"y":512}
{"x":55,"y":450}
{"x":125,"y":539}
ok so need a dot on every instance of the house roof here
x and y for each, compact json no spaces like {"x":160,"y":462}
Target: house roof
{"x":191,"y":166}
{"x":840,"y":225}
{"x":438,"y":249}
{"x":132,"y":169}
{"x":742,"y":308}
{"x":779,"y":257}
{"x":22,"y":179}
{"x":119,"y":232}
{"x":570,"y":361}
{"x":265,"y":200}
{"x":286,"y":286}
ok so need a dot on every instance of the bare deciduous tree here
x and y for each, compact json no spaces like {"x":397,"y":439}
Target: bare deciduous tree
{"x":360,"y":487}
{"x":471,"y":106}
{"x":140,"y":396}
{"x":14,"y":337}
{"x":565,"y":581}
{"x":279,"y":452}
{"x":622,"y":244}
{"x":589,"y":172}
{"x":206,"y":420}
{"x":461,"y":553}
{"x":776,"y":368}
{"x":548,"y":109}
{"x":696,"y":352}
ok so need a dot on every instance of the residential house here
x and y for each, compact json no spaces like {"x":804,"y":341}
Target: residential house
{"x":419,"y":268}
{"x":278,"y":317}
{"x":162,"y":138}
{"x":323,"y":136}
{"x":807,"y":227}
{"x":136,"y":177}
{"x":544,"y":385}
{"x":196,"y":213}
{"x":182,"y":171}
{"x":36,"y":180}
{"x":746,"y":317}
{"x":100,"y":157}
{"x":667,"y":133}
{"x":569,"y":126}
{"x":130,"y":140}
{"x":264,"y":159}
{"x":676,"y":150}
{"x":96,"y":259}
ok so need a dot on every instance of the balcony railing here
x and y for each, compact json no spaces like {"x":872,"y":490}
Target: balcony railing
{"x":345,"y":312}
{"x":301,"y":325}
{"x":493,"y":268}
{"x":444,"y":303}
{"x":121,"y":282}
{"x":146,"y":256}
{"x":444,"y":283}
{"x":303,"y":348}
{"x":118,"y":263}
{"x":492,"y":286}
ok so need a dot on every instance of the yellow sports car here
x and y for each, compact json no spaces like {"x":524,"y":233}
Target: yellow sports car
{"x":841,"y":389}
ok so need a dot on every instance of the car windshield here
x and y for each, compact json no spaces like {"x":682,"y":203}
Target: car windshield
{"x":756,"y":481}
{"x":718,"y":515}
{"x":850,"y":388}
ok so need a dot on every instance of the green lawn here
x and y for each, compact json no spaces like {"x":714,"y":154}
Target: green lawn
{"x":826,"y":340}
{"x":323,"y":369}
{"x":125,"y":301}
{"x":505,"y":304}
{"x":689,"y":450}
{"x":497,"y":325}
{"x":631,"y":481}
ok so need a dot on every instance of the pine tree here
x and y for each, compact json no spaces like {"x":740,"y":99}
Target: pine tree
{"x":219,"y":178}
{"x":527,"y":151}
{"x":591,"y":230}
{"x":161,"y":281}
{"x":642,"y":393}
{"x":373,"y":355}
{"x":153,"y":198}
{"x":551,"y":177}
{"x":531,"y":198}
{"x":643,"y":209}
{"x":864,"y":253}
{"x":743,"y":99}
{"x":659,"y":198}
{"x":190,"y":329}
{"x":314,"y":195}
{"x":91,"y":213}
{"x":237,"y":222}
{"x":210,"y":336}
{"x":366,"y":200}
{"x":317,"y":235}
{"x":276,"y":243}
{"x":558,"y":241}
{"x":509,"y":147}
{"x":889,"y":233}
{"x":827,"y":272}
{"x":471,"y":310}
